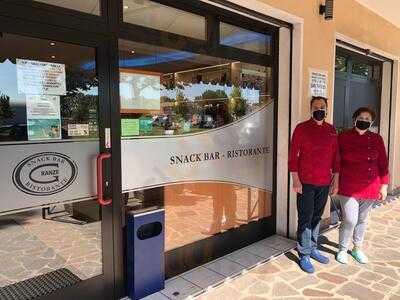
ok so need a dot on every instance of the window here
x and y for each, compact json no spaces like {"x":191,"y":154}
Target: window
{"x":361,"y":69}
{"x":161,"y":17}
{"x":341,"y":63}
{"x":48,"y":90}
{"x":86,"y":6}
{"x":177,"y":102}
{"x":172,"y":92}
{"x":238,"y":37}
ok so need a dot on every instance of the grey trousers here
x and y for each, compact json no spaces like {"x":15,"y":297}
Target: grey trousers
{"x":355,"y":214}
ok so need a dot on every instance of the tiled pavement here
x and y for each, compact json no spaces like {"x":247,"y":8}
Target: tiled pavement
{"x":280,"y":278}
{"x":31,"y":246}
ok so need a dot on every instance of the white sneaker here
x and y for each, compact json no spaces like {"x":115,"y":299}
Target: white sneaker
{"x":342,"y":257}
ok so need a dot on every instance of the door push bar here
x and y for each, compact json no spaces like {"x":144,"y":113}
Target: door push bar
{"x":100,"y":197}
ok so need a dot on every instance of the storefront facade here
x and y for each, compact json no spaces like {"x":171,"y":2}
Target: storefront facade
{"x":114,"y":106}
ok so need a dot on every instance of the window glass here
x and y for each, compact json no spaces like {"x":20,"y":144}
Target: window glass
{"x":361,"y":69}
{"x":86,"y":6}
{"x":48,"y":90}
{"x":241,"y":38}
{"x":187,"y":116}
{"x":161,"y":17}
{"x":170,"y":92}
{"x":341,"y":63}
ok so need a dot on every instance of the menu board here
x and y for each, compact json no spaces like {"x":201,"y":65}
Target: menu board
{"x":40,"y":78}
{"x":43,"y":117}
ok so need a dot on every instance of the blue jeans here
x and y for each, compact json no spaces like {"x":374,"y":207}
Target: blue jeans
{"x":310,"y":207}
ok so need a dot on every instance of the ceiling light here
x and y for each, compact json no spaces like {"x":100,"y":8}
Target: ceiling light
{"x":53,"y":56}
{"x":133,"y":51}
{"x":126,"y":6}
{"x":52,"y":44}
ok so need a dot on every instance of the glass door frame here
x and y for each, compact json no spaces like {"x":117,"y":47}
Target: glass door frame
{"x":108,"y":285}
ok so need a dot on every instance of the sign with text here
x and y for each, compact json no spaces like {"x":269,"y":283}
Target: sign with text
{"x":241,"y":153}
{"x":40,"y":78}
{"x":318,"y":83}
{"x":43,"y":117}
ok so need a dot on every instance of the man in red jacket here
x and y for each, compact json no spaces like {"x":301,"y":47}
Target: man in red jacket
{"x":313,"y":160}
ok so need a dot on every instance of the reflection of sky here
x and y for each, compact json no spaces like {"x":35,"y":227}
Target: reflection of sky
{"x":8,"y":82}
{"x":233,"y":40}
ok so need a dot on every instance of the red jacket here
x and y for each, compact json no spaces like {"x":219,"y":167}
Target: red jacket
{"x":314,"y":153}
{"x":364,"y":165}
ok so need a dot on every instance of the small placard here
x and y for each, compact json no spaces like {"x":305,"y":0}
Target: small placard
{"x":78,"y":129}
{"x":129,"y":127}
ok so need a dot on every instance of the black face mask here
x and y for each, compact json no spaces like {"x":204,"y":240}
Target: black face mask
{"x":363,"y":125}
{"x":319,"y":114}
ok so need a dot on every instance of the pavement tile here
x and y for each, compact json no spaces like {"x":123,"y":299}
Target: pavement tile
{"x":360,"y":292}
{"x":337,"y":279}
{"x":316,"y":293}
{"x":282,"y":289}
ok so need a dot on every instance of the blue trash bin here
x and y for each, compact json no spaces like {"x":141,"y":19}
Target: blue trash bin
{"x":145,"y":253}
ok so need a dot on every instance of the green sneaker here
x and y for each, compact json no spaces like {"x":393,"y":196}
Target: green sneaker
{"x":359,"y":256}
{"x":341,"y":257}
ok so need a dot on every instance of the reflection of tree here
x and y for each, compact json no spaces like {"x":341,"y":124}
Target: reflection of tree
{"x":181,"y":108}
{"x":76,"y":105}
{"x":237,"y":104}
{"x":6,"y":112}
{"x":143,"y":82}
{"x":210,"y":97}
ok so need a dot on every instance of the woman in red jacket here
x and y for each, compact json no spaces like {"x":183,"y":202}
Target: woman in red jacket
{"x":364,"y":178}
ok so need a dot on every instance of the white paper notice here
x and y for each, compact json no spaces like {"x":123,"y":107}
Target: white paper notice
{"x":78,"y":129}
{"x":43,"y":117}
{"x":38,"y":77}
{"x":318,"y":83}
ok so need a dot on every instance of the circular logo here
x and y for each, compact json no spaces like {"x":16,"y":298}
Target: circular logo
{"x":45,"y":173}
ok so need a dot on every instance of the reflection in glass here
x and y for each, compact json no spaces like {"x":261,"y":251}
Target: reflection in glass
{"x":171,"y":92}
{"x":195,"y":211}
{"x":86,"y":6}
{"x":36,"y":113}
{"x":241,"y":38}
{"x":161,"y":17}
{"x":44,"y":240}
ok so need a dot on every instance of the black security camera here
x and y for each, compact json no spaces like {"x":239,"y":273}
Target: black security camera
{"x":327,"y":9}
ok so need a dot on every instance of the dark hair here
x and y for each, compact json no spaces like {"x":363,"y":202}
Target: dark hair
{"x":364,"y":109}
{"x":318,"y":98}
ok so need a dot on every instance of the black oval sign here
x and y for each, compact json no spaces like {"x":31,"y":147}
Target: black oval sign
{"x":45,"y":173}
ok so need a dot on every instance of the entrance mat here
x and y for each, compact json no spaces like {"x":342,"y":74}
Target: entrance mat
{"x":39,"y":286}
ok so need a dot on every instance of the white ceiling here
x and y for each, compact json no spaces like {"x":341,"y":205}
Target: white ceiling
{"x":388,"y":9}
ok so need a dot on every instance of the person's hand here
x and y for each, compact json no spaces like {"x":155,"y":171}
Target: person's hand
{"x":335,"y":186}
{"x":297,"y":186}
{"x":383,"y":192}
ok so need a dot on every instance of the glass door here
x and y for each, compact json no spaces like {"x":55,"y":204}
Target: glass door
{"x":55,"y":192}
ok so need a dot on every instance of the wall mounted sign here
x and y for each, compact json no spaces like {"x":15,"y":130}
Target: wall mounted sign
{"x":45,"y":173}
{"x":40,"y":78}
{"x":318,"y":83}
{"x":43,"y":117}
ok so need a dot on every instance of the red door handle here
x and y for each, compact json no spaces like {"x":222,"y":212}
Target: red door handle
{"x":100,"y":197}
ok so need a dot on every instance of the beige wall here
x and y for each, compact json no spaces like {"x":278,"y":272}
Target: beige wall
{"x":351,"y":19}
